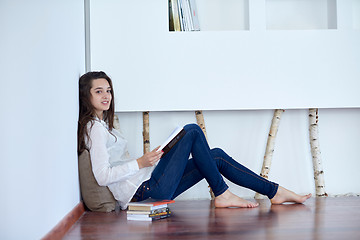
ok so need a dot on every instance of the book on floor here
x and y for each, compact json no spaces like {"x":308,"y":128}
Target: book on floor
{"x":148,"y":210}
{"x":149,"y":204}
{"x":139,"y":212}
{"x":148,"y":215}
{"x":147,"y":218}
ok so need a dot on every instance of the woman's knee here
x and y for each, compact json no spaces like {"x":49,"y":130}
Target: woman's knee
{"x":217,"y":152}
{"x":192,"y":126}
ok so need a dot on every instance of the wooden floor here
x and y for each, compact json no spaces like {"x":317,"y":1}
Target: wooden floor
{"x":318,"y":218}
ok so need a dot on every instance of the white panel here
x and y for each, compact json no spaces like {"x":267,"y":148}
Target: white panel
{"x":154,"y":69}
{"x":356,"y":14}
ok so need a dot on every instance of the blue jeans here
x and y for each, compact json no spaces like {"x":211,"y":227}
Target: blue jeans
{"x":176,"y":173}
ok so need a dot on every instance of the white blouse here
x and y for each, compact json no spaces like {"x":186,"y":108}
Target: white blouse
{"x":112,"y":164}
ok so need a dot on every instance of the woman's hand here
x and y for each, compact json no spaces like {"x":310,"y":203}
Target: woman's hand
{"x":150,"y":158}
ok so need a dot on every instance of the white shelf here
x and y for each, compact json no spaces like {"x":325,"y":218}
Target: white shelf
{"x":238,"y":15}
{"x":223,"y":15}
{"x":301,"y":14}
{"x":212,"y":70}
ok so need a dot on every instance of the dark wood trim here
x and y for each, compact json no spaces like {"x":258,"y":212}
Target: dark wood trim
{"x":59,"y":231}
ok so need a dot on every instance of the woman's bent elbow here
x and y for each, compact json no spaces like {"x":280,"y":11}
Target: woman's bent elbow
{"x":102,"y":182}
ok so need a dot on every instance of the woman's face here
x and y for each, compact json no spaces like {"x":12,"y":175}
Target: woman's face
{"x":100,"y":96}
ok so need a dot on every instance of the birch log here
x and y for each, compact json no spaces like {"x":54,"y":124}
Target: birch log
{"x":270,"y":146}
{"x":116,"y":122}
{"x":315,"y":152}
{"x":201,"y":122}
{"x":146,"y":132}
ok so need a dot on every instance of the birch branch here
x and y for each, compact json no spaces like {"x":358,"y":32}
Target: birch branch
{"x":315,"y":152}
{"x":146,"y":132}
{"x":270,"y":146}
{"x":201,"y":122}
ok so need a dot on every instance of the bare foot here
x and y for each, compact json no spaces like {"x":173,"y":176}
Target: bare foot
{"x":228,"y":199}
{"x":283,"y":195}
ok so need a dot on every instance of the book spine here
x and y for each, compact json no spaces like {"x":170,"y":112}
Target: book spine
{"x":194,"y":16}
{"x":175,"y":15}
{"x":160,"y":217}
{"x":162,"y":210}
{"x":148,"y":219}
{"x":146,"y":208}
{"x":181,"y":15}
{"x":159,"y":214}
{"x":188,"y":15}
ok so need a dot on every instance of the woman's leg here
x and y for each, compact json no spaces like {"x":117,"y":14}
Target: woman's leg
{"x":243,"y":176}
{"x":285,"y":195}
{"x":175,"y":173}
{"x":167,"y":175}
{"x":231,"y":170}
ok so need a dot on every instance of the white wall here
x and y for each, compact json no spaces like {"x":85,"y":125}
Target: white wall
{"x":243,"y":135}
{"x":42,"y":57}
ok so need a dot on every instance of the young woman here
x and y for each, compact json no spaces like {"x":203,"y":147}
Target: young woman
{"x":136,"y":179}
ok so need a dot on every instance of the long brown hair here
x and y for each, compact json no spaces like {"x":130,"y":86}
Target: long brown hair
{"x":87,"y":110}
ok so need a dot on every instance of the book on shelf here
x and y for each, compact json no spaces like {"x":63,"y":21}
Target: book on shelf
{"x":171,"y":141}
{"x":194,"y":16}
{"x":174,"y":16}
{"x":171,"y":20}
{"x":183,"y":15}
{"x":185,"y":9}
{"x":149,"y":204}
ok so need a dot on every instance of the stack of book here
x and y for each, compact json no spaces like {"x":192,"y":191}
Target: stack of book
{"x":183,"y":16}
{"x":149,"y":210}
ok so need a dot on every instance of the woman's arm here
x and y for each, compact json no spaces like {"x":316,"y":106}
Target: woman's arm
{"x":149,"y":159}
{"x":104,"y":173}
